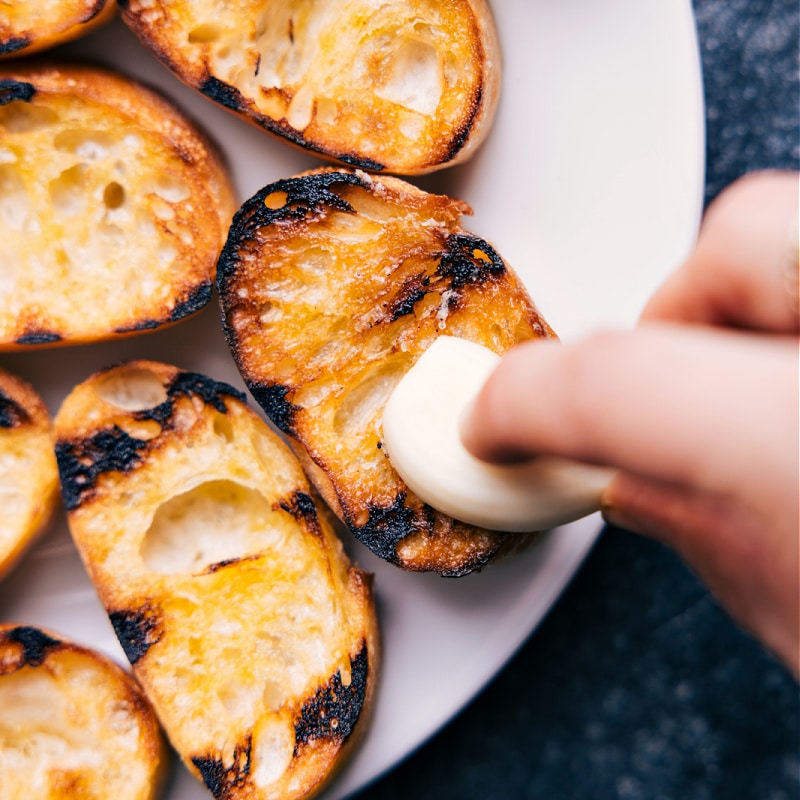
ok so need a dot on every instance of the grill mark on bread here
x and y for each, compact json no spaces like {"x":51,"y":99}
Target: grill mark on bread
{"x":82,"y":462}
{"x":197,"y":299}
{"x":409,"y":294}
{"x":469,"y":260}
{"x":35,"y":645}
{"x":38,"y":337}
{"x":461,"y":135}
{"x":12,"y":45}
{"x":335,"y":708}
{"x":301,"y":506}
{"x":273,"y":399}
{"x":387,"y":526}
{"x":208,"y":390}
{"x":223,"y":781}
{"x":12,"y":414}
{"x":94,"y":11}
{"x":137,"y":629}
{"x":231,"y":98}
{"x":300,"y":196}
{"x":222,"y":93}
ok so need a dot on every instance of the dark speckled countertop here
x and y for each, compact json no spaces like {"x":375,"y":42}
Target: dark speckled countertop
{"x":637,"y":685}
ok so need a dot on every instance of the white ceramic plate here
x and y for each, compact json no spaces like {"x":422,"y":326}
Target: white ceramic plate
{"x":590,"y":185}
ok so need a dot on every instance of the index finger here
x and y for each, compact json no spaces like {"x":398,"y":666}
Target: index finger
{"x":693,"y":406}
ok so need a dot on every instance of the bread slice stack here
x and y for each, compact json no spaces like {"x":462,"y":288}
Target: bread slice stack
{"x":251,"y":633}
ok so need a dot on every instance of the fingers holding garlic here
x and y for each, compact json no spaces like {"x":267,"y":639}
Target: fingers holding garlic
{"x":423,"y":443}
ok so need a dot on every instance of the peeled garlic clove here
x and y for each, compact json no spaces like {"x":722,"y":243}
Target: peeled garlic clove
{"x":423,"y":443}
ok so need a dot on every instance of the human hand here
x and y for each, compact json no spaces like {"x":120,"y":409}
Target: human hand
{"x":697,"y":408}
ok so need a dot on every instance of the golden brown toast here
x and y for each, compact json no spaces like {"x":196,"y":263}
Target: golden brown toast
{"x":402,"y":87}
{"x":332,"y":284}
{"x":113,"y":207}
{"x":251,"y":633}
{"x":28,"y":473}
{"x":73,"y":724}
{"x":37,"y":25}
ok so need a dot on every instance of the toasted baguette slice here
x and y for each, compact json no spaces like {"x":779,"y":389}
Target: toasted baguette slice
{"x":231,"y":595}
{"x":73,"y":724}
{"x":402,"y":87}
{"x":332,"y":284}
{"x":36,"y":25}
{"x":28,"y":473}
{"x":113,"y":208}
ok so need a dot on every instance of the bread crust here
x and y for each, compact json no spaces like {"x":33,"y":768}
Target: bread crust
{"x":405,"y":88}
{"x":73,"y":724}
{"x":250,"y":631}
{"x":28,"y":28}
{"x":113,"y":210}
{"x":28,"y":473}
{"x":332,"y":284}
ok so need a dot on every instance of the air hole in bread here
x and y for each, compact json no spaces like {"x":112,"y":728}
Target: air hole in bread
{"x":23,"y":117}
{"x":301,"y":108}
{"x":269,"y":312}
{"x":316,"y":392}
{"x":275,"y":200}
{"x":144,"y":430}
{"x":362,"y":407}
{"x":204,"y":33}
{"x":131,"y":389}
{"x":412,"y":77}
{"x":316,"y":260}
{"x":68,"y":192}
{"x":114,"y":195}
{"x":214,"y":522}
{"x":223,"y":428}
{"x":239,"y":699}
{"x":273,"y":746}
{"x":54,"y":728}
{"x":352,"y":228}
{"x":32,"y":702}
{"x":170,"y":188}
{"x":88,"y":145}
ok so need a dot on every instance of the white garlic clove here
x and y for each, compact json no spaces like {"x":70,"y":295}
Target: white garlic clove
{"x":423,"y":442}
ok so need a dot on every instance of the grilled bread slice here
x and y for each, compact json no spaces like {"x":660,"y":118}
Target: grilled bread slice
{"x":73,"y":724}
{"x":332,"y":284}
{"x":231,"y":595}
{"x":403,"y":87}
{"x":113,"y":208}
{"x":28,"y":473}
{"x":30,"y":27}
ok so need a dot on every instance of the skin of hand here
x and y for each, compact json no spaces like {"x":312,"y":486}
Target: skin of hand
{"x":697,"y":409}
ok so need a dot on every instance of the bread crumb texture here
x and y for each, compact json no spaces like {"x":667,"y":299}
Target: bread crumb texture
{"x":405,"y":87}
{"x":112,"y":208}
{"x":28,"y":474}
{"x":227,"y":587}
{"x":73,"y":724}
